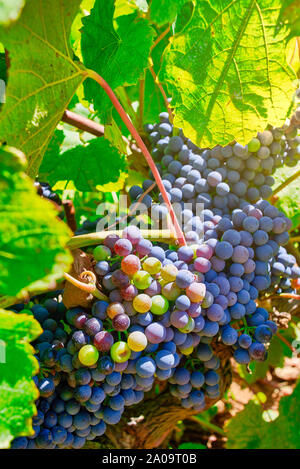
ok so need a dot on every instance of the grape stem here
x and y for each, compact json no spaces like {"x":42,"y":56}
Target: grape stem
{"x":93,"y":75}
{"x":92,"y":239}
{"x":157,"y":82}
{"x":160,"y":38}
{"x":87,"y":287}
{"x":286,"y":183}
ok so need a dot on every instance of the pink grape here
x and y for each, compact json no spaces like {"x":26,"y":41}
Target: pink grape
{"x":132,"y":233}
{"x":204,"y":251}
{"x":129,"y":292}
{"x":130,"y":264}
{"x":155,"y":333}
{"x":121,"y":322}
{"x":196,"y":292}
{"x":103,"y":341}
{"x":202,"y":265}
{"x":153,"y":289}
{"x":80,"y":320}
{"x":123,"y":247}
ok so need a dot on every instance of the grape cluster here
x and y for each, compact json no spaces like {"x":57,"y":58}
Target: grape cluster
{"x":163,"y":310}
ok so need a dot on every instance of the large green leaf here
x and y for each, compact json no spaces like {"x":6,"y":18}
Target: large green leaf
{"x":248,"y":430}
{"x":85,"y":166}
{"x":17,"y":366}
{"x":227,"y":71}
{"x":32,"y":239}
{"x":119,"y":56}
{"x":42,"y":76}
{"x":10,"y":10}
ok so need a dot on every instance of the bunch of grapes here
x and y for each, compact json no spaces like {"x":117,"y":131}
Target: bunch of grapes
{"x":165,"y":309}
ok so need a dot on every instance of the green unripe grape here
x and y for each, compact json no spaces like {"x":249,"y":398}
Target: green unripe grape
{"x":189,"y":327}
{"x":254,"y":145}
{"x":88,"y":355}
{"x":152,"y":265}
{"x":160,"y":305}
{"x":101,"y":253}
{"x":120,"y":352}
{"x":142,"y":280}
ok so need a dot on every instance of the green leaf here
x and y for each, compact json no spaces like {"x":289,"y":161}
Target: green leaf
{"x":288,"y":198}
{"x":153,"y":99}
{"x":42,"y":76}
{"x":259,"y":369}
{"x":248,"y":430}
{"x":164,"y":11}
{"x":32,"y":239}
{"x":120,"y":56}
{"x":191,"y":446}
{"x":85,"y":166}
{"x":17,"y":366}
{"x":227,"y":71}
{"x":10,"y":10}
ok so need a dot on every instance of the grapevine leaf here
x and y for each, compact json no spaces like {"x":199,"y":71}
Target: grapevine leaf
{"x":153,"y":100}
{"x":248,"y":430}
{"x":17,"y":366}
{"x":10,"y":10}
{"x":29,"y":229}
{"x":42,"y":76}
{"x":184,"y":16}
{"x":164,"y":11}
{"x":86,"y":166}
{"x":227,"y":71}
{"x":114,"y":135}
{"x":120,"y":56}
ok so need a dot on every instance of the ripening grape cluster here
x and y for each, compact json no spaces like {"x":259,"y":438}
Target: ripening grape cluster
{"x":165,"y":309}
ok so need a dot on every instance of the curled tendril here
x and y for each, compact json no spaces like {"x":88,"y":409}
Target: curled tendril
{"x":87,"y":287}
